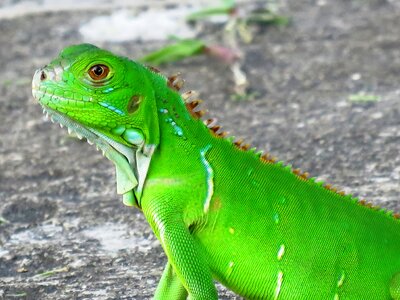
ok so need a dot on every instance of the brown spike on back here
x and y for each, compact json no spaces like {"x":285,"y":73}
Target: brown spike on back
{"x":179,"y":84}
{"x":186,"y":96}
{"x":208,"y":122}
{"x":193,"y":104}
{"x":215,"y":128}
{"x":305,"y":175}
{"x":223,"y":134}
{"x":238,"y":142}
{"x":333,"y":189}
{"x":300,"y":174}
{"x":154,"y":69}
{"x":175,"y":81}
{"x":363,"y":202}
{"x":297,"y":172}
{"x":194,"y":110}
{"x":245,"y":147}
{"x":267,"y":158}
{"x":370,"y":205}
{"x":198,"y":114}
{"x":328,"y":187}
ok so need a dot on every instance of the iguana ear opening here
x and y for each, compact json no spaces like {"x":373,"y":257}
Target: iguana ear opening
{"x":145,"y":117}
{"x":134,"y":103}
{"x":141,"y":106}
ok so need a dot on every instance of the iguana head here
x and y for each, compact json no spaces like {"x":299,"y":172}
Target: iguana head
{"x":105,"y":98}
{"x":100,"y":91}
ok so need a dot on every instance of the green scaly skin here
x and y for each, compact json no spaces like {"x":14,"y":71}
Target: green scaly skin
{"x":219,"y":211}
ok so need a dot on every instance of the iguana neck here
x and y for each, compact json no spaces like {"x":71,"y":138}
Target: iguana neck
{"x":175,"y":120}
{"x":179,"y":158}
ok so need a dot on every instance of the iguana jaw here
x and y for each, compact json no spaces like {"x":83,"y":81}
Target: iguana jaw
{"x":122,"y":156}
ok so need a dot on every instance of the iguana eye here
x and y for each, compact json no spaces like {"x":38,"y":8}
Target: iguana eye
{"x":98,"y":72}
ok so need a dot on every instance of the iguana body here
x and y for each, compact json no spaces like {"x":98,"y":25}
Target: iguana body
{"x":219,"y":210}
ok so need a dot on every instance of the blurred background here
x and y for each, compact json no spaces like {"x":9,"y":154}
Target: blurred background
{"x":314,"y":82}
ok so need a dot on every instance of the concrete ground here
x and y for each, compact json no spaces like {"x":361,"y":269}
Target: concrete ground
{"x":64,"y":232}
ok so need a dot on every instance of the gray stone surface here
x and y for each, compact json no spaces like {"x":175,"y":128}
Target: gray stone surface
{"x":58,"y":203}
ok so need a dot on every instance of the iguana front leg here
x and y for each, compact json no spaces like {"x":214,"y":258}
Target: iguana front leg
{"x":184,"y":256}
{"x":170,"y":286}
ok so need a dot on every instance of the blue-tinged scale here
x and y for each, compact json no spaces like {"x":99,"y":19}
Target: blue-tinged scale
{"x":107,"y":90}
{"x":133,"y":137}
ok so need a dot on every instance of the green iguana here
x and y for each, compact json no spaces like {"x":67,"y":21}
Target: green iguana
{"x":220,"y":210}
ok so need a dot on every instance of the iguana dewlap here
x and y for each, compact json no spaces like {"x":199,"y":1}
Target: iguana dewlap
{"x":220,"y":210}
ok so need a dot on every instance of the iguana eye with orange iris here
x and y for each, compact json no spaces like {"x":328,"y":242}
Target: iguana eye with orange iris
{"x":98,"y":72}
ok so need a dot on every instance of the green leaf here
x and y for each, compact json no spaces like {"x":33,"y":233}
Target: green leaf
{"x":267,"y":17}
{"x":363,"y":98}
{"x":177,"y":51}
{"x":52,"y":272}
{"x":17,"y":295}
{"x":226,"y":8}
{"x":209,"y":12}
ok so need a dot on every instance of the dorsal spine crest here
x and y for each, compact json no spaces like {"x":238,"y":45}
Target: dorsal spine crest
{"x":193,"y":108}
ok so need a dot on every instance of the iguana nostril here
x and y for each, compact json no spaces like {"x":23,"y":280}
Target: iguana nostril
{"x":43,"y":76}
{"x":38,"y":78}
